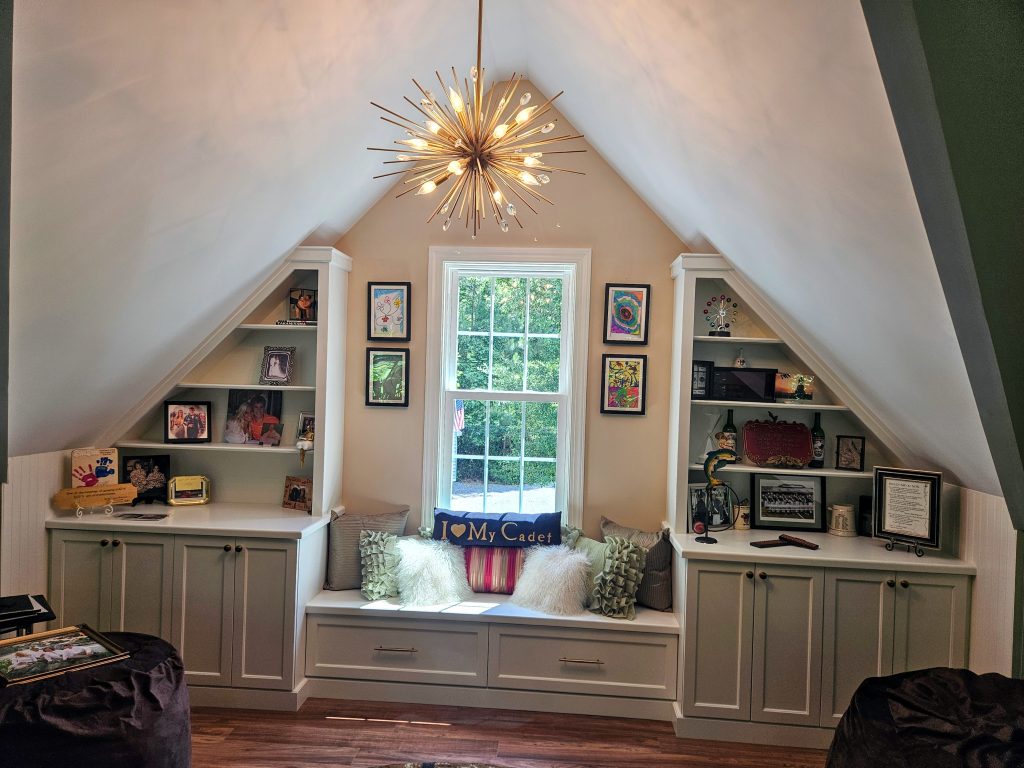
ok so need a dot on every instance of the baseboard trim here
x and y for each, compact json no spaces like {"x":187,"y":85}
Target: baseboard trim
{"x":249,"y":698}
{"x":490,"y":698}
{"x":751,"y":733}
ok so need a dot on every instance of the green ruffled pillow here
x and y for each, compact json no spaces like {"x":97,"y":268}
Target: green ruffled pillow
{"x":616,"y":585}
{"x":379,"y":555}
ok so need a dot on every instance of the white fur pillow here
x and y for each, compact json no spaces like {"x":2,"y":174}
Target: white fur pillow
{"x":554,"y":580}
{"x":431,"y":572}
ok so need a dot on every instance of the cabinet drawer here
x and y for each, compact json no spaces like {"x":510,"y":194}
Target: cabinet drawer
{"x":603,"y":662}
{"x":452,"y":653}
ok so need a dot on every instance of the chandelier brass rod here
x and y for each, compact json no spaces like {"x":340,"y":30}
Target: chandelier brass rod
{"x":512,"y":179}
{"x":447,"y":197}
{"x":492,"y":141}
{"x":544,"y":142}
{"x":442,"y":121}
{"x":506,"y":99}
{"x":443,"y":118}
{"x":400,"y":117}
{"x":514,"y":191}
{"x":515,"y":179}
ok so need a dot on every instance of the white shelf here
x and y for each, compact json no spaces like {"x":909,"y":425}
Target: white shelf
{"x":274,"y":327}
{"x":738,"y":340}
{"x":209,"y":385}
{"x":771,"y":406}
{"x":823,"y":472}
{"x":152,"y":444}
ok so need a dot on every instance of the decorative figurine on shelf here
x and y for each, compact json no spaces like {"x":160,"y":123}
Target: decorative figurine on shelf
{"x":720,"y":312}
{"x":740,"y":361}
{"x":714,"y":461}
{"x":714,"y":512}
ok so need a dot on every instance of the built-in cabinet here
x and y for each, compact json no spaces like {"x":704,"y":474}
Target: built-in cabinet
{"x":788,"y":644}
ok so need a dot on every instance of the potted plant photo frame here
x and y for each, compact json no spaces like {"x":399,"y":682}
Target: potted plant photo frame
{"x":627,"y":311}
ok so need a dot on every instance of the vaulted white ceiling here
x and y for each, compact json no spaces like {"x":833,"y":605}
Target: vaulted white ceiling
{"x":167,"y":155}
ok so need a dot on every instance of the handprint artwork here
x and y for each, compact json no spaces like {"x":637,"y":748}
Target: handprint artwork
{"x":93,"y":466}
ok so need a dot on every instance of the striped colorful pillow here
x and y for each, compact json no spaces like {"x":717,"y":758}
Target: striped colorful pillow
{"x":494,"y":569}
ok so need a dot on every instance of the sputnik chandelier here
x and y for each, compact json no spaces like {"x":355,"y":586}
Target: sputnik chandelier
{"x":493,"y":151}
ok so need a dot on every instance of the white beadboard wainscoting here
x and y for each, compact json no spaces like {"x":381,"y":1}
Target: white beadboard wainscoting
{"x":31,"y":482}
{"x":988,"y":540}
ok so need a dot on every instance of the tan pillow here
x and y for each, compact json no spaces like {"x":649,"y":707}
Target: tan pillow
{"x":343,"y":564}
{"x":656,"y":587}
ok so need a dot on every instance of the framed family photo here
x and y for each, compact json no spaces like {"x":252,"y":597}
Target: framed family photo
{"x":387,"y":317}
{"x":624,"y":384}
{"x":298,"y":493}
{"x":627,"y":310}
{"x":302,"y":305}
{"x":306,"y":424}
{"x":277,"y":365}
{"x":149,"y":475}
{"x":387,"y":377}
{"x":254,"y":417}
{"x":48,"y":654}
{"x":186,"y":421}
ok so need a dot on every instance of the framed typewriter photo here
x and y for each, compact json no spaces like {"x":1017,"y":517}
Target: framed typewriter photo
{"x":751,"y":385}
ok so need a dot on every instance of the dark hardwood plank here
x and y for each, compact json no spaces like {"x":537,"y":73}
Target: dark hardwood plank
{"x":328,"y":732}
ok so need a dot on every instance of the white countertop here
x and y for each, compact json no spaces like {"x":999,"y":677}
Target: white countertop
{"x":833,"y":552}
{"x":266,"y":521}
{"x":485,"y":608}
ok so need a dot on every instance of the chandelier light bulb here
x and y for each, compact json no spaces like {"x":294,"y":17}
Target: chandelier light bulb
{"x":426,"y":188}
{"x":433,"y":127}
{"x":416,"y":143}
{"x":496,"y":194}
{"x":456,"y":100}
{"x":531,"y":161}
{"x":403,"y":158}
{"x":524,"y":114}
{"x":455,"y":167}
{"x":500,"y":131}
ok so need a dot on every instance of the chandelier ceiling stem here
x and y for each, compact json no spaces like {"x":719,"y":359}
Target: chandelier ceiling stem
{"x":487,"y":147}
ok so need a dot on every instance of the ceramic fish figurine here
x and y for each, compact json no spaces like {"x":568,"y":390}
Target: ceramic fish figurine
{"x":716,"y":460}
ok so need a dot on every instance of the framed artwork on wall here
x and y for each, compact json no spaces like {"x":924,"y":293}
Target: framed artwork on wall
{"x":786,"y":502}
{"x":387,"y":377}
{"x":387,"y":315}
{"x":624,"y":384}
{"x":627,"y":309}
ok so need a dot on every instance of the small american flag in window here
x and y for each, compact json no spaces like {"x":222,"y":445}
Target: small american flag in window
{"x":460,"y":415}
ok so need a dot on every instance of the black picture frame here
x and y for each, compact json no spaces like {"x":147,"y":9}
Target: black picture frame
{"x":298,"y":311}
{"x":916,"y":488}
{"x":406,"y":310}
{"x":643,"y":315}
{"x":787,"y":517}
{"x":626,"y":410}
{"x":147,"y":471}
{"x":277,"y":367}
{"x":171,"y":428}
{"x":745,"y":385}
{"x":703,"y":371}
{"x":371,"y":399}
{"x":717,"y":504}
{"x":844,"y":445}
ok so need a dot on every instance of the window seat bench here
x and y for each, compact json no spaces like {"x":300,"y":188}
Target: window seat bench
{"x":489,"y":652}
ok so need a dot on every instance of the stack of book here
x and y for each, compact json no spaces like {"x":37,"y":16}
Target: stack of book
{"x":19,"y":607}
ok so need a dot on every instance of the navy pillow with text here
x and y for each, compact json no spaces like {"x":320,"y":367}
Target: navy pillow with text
{"x":476,"y":529}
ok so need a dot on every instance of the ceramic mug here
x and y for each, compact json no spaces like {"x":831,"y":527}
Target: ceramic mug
{"x":841,"y":520}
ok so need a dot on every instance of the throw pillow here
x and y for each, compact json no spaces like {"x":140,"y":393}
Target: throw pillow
{"x":475,"y":529}
{"x":378,"y":552}
{"x":494,"y":569}
{"x":596,"y":552}
{"x":656,"y":587}
{"x":431,"y":572}
{"x":554,"y":580}
{"x":616,"y":585}
{"x":343,"y":564}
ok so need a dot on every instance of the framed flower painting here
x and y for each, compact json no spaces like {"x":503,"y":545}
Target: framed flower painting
{"x":627,"y":309}
{"x":387,"y":317}
{"x":624,"y":384}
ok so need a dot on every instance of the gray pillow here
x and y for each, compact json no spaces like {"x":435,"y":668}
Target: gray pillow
{"x":343,"y":564}
{"x":656,"y":586}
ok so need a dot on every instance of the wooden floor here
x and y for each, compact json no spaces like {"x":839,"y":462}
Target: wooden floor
{"x":372,"y":734}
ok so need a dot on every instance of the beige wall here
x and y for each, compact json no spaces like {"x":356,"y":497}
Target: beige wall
{"x":626,"y":455}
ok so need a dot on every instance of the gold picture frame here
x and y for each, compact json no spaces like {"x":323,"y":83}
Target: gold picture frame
{"x":42,"y":655}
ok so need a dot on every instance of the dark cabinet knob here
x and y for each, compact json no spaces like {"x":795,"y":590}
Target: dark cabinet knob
{"x":227,"y":547}
{"x":890,"y":582}
{"x":116,"y":542}
{"x":238,"y":547}
{"x":104,"y":542}
{"x":762,"y":575}
{"x":904,"y":583}
{"x":749,"y":574}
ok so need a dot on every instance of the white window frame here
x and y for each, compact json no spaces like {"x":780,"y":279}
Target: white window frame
{"x":446,"y":263}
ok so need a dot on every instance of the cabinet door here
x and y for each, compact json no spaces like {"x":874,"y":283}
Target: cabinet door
{"x":786,"y":672}
{"x":203,"y":599}
{"x":264,"y":614}
{"x":716,"y":652}
{"x":856,"y":635}
{"x":142,"y":583}
{"x":80,"y":577}
{"x":930,"y":628}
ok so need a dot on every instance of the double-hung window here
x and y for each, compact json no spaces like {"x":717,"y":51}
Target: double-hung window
{"x":506,"y":388}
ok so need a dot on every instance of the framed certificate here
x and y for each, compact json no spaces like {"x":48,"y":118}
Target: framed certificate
{"x":906,"y":507}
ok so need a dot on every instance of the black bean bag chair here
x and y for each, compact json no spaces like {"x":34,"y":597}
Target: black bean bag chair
{"x":932,"y":718}
{"x":129,"y":714}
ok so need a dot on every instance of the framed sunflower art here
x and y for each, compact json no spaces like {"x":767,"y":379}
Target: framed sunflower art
{"x":627,"y":309}
{"x":624,"y":384}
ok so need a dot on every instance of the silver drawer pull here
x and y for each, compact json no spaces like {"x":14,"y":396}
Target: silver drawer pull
{"x":564,"y":660}
{"x":389,"y":649}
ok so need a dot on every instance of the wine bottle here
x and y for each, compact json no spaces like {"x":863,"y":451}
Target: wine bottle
{"x":728,"y":434}
{"x":817,"y":444}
